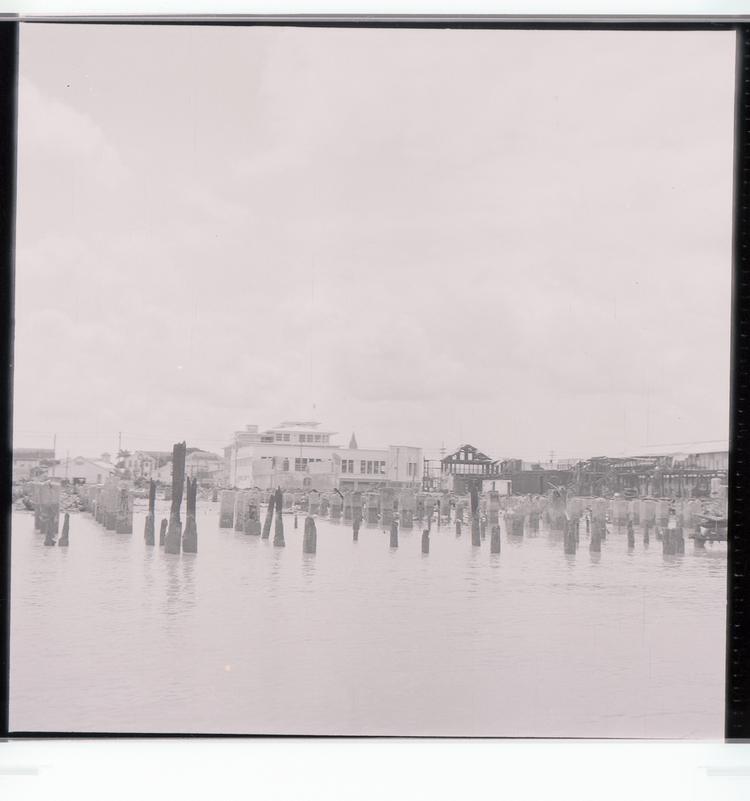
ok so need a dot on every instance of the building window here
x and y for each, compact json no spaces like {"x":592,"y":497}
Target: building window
{"x":285,"y":465}
{"x":300,"y":465}
{"x":317,"y":437}
{"x":278,"y":438}
{"x":286,"y":437}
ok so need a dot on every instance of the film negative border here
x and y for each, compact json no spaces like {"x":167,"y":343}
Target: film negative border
{"x":8,"y":106}
{"x":737,"y":721}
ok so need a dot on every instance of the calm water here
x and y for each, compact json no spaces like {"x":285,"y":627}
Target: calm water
{"x":109,"y":635}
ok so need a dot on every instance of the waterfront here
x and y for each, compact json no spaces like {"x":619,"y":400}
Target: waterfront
{"x":112,"y":635}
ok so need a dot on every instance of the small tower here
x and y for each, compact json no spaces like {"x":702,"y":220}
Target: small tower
{"x":353,"y":442}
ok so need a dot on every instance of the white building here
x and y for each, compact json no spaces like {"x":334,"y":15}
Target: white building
{"x":28,"y":462}
{"x":84,"y":470}
{"x":205,"y":466}
{"x":301,"y":454}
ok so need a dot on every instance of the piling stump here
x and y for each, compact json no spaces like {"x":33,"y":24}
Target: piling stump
{"x":173,"y":541}
{"x":226,"y":508}
{"x":570,"y":541}
{"x":190,"y":534}
{"x":266,"y":533}
{"x":149,"y":532}
{"x":394,"y":534}
{"x":278,"y":535}
{"x":495,"y":539}
{"x":476,"y":539}
{"x":64,"y":537}
{"x":163,"y":531}
{"x":310,"y":537}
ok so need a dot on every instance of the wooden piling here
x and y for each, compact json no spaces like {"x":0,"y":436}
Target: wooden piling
{"x":149,"y":530}
{"x":458,"y":528}
{"x":163,"y":531}
{"x":570,"y":540}
{"x":394,"y":534}
{"x":476,"y":539}
{"x":227,"y":500}
{"x":337,"y":502}
{"x":269,"y":518}
{"x":495,"y":539}
{"x":310,"y":537}
{"x":278,"y":535}
{"x":679,"y":540}
{"x":173,"y":540}
{"x":631,"y":534}
{"x":646,"y":529}
{"x":407,"y":508}
{"x":64,"y":537}
{"x":356,"y":523}
{"x":190,"y":535}
{"x":295,"y":520}
{"x":426,"y":541}
{"x":124,"y":511}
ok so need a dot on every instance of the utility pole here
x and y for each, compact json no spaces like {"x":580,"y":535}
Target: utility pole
{"x":54,"y":445}
{"x":67,"y":462}
{"x":119,"y":442}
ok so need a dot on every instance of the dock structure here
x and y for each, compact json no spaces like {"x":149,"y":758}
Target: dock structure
{"x":313,"y":502}
{"x":648,"y":512}
{"x":387,"y":498}
{"x":227,"y":500}
{"x":239,"y":510}
{"x":662,"y":512}
{"x":407,"y":508}
{"x":124,"y":513}
{"x":620,"y":511}
{"x":348,"y":507}
{"x":372,"y":508}
{"x":337,"y":502}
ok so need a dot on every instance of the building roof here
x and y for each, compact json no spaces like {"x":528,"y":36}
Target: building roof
{"x":33,"y":453}
{"x":159,"y":455}
{"x":201,"y":453}
{"x":476,"y":455}
{"x":100,"y":463}
{"x":299,"y":425}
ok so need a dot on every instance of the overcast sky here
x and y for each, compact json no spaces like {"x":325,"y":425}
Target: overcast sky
{"x":517,"y":239}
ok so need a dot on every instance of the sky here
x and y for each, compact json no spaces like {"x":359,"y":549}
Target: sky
{"x":516,"y":239}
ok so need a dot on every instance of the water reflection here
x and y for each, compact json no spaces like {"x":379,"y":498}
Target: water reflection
{"x":359,"y":610}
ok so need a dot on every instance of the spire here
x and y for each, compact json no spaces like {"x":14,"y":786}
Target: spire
{"x":353,"y":442}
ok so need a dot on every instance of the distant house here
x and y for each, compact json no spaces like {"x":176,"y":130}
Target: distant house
{"x":468,"y":467}
{"x":143,"y":464}
{"x":206,"y":467}
{"x":203,"y":465}
{"x":30,"y":462}
{"x":84,"y":470}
